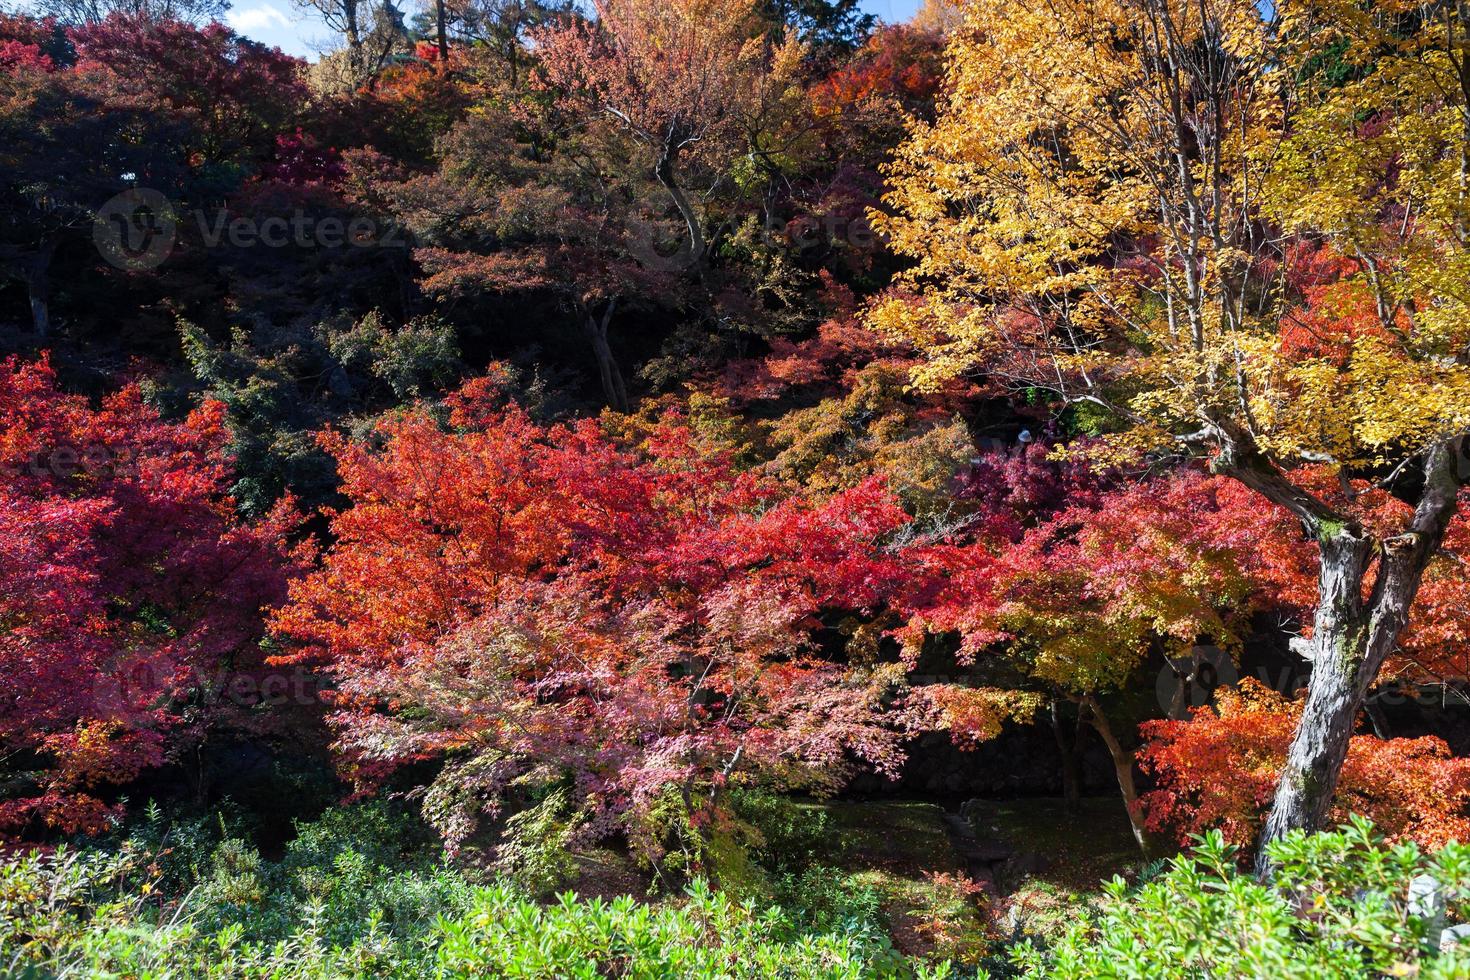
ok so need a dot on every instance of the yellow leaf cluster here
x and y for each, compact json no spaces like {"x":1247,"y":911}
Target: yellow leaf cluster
{"x":1118,"y":198}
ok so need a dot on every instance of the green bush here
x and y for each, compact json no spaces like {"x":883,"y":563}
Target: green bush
{"x":708,"y":936}
{"x":535,"y":849}
{"x":823,"y":899}
{"x":357,"y":893}
{"x":363,"y":893}
{"x":1337,"y":906}
{"x":785,"y":835}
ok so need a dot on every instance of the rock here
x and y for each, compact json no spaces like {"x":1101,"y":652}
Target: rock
{"x":992,"y":851}
{"x":1454,"y":936}
{"x":1426,"y":900}
{"x":1027,"y":863}
{"x":975,"y":811}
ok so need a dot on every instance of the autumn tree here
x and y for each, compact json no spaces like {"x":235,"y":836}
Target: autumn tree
{"x":497,"y":31}
{"x":650,"y":134}
{"x":66,"y":144}
{"x":1218,"y":771}
{"x":834,"y":27}
{"x":544,"y":606}
{"x":349,"y":18}
{"x":898,"y":66}
{"x":940,"y":16}
{"x":874,"y":428}
{"x":230,"y":95}
{"x":79,"y":12}
{"x":1072,"y":578}
{"x":501,"y":216}
{"x":112,"y":132}
{"x":371,"y":30}
{"x":681,"y":80}
{"x":410,"y":105}
{"x":505,"y":27}
{"x":129,"y":587}
{"x":1105,"y":211}
{"x":37,"y":41}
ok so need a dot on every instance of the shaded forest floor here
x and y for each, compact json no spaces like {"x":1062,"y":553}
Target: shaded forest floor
{"x":1028,"y":866}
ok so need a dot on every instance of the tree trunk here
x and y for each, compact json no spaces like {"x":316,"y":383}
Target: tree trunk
{"x":664,"y":171}
{"x":354,"y":39}
{"x":1351,"y":638}
{"x":611,"y":377}
{"x":443,"y":35}
{"x":40,"y":308}
{"x":37,"y":275}
{"x":1123,"y":767}
{"x":1071,"y":781}
{"x":1339,"y":658}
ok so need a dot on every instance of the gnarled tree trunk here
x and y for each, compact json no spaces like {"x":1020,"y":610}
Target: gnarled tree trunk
{"x":40,"y":306}
{"x":1354,"y":629}
{"x":664,"y":171}
{"x":353,"y":35}
{"x":34,"y":269}
{"x":441,"y":35}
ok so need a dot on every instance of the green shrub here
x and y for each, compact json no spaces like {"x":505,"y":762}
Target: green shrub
{"x":535,"y":849}
{"x":1337,"y":907}
{"x":787,"y":836}
{"x":822,"y":899}
{"x":411,"y":359}
{"x":707,"y":936}
{"x":358,"y":895}
{"x":371,"y":862}
{"x":52,"y":900}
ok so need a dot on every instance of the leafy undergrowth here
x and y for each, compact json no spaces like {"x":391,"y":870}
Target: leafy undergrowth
{"x":1062,"y":856}
{"x":1081,"y":847}
{"x":1339,"y":905}
{"x":361,"y":894}
{"x":602,"y":872}
{"x":902,"y":851}
{"x":883,"y":871}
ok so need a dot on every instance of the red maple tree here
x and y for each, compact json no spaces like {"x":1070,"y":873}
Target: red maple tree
{"x":129,"y":584}
{"x":546,"y":603}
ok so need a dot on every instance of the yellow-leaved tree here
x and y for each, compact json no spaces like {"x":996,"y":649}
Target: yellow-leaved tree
{"x":1225,"y":229}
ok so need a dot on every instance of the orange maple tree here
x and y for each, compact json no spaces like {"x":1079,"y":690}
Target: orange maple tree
{"x":1219,"y":770}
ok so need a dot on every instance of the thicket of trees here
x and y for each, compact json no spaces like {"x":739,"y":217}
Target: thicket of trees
{"x":598,"y":412}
